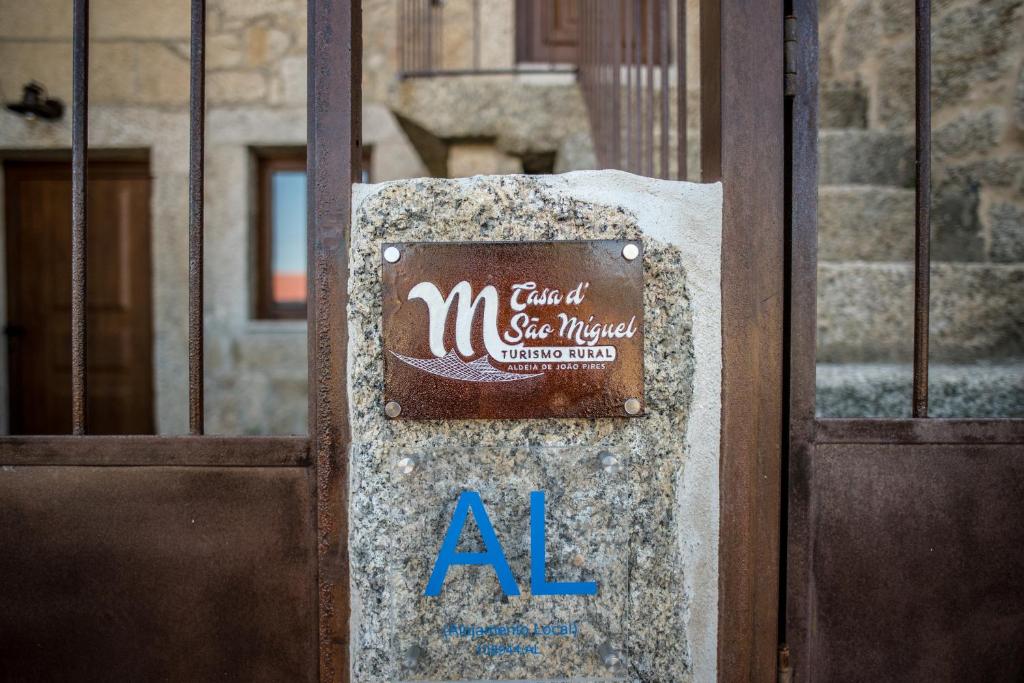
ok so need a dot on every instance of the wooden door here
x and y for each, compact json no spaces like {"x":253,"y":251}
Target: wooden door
{"x":119,"y":298}
{"x":547,"y":31}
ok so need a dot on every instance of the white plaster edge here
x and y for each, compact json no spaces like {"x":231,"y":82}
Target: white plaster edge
{"x":659,"y":205}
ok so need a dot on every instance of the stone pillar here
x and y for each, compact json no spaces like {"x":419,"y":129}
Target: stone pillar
{"x":644,"y":528}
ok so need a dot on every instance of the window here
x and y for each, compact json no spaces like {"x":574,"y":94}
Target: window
{"x":280,"y":271}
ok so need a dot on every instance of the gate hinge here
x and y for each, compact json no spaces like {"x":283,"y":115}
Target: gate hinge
{"x":789,"y":56}
{"x":785,"y":672}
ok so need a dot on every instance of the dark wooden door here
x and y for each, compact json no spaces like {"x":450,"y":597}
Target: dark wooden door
{"x":119,"y":296}
{"x":547,"y":31}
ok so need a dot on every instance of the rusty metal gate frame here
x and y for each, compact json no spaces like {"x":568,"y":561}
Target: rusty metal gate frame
{"x":742,"y":115}
{"x":808,"y":437}
{"x":334,"y":106}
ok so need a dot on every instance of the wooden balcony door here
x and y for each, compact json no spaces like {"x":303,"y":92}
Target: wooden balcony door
{"x":547,"y":31}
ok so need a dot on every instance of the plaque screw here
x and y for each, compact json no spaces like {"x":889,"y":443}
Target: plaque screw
{"x":391,"y":254}
{"x":609,"y":463}
{"x":632,"y":406}
{"x":392,"y":409}
{"x":407,"y":465}
{"x":412,"y":656}
{"x":630,"y":251}
{"x":609,"y":655}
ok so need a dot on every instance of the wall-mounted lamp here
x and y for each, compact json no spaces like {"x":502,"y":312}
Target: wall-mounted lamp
{"x":35,"y":104}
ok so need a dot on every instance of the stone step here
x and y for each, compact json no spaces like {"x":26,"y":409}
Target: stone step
{"x":884,"y":390}
{"x":842,"y":105}
{"x":865,"y":157}
{"x":866,"y":311}
{"x":865,"y":223}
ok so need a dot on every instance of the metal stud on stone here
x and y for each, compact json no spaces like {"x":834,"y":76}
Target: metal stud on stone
{"x":609,"y":655}
{"x":392,"y":409}
{"x":412,"y":657}
{"x":609,"y":463}
{"x":630,"y":251}
{"x":407,"y":465}
{"x":392,"y":254}
{"x":632,"y":406}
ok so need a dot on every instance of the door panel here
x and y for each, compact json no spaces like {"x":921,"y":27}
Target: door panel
{"x":546,"y":31}
{"x":38,"y":200}
{"x":905,"y":537}
{"x":917,"y":567}
{"x":157,"y":574}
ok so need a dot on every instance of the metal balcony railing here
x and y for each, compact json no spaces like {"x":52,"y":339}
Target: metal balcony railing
{"x":633,"y":74}
{"x":465,"y":37}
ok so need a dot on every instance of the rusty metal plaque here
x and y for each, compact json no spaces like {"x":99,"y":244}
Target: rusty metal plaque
{"x":513,"y":329}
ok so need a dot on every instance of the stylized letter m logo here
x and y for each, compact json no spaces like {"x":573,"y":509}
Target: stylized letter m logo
{"x":461,"y":295}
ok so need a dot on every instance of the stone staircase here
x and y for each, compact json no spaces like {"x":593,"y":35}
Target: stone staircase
{"x":865,"y":295}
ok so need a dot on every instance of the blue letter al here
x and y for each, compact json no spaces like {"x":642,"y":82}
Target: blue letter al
{"x":538,"y":572}
{"x":468,"y":502}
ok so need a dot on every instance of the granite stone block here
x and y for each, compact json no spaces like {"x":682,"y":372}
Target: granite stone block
{"x":648,"y":535}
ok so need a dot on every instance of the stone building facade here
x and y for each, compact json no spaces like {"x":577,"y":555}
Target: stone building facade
{"x":460,"y":126}
{"x":256,"y":97}
{"x":867,"y":207}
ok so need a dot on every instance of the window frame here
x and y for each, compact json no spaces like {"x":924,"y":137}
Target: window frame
{"x":268,"y":163}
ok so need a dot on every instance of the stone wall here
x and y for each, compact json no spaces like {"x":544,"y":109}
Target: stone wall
{"x":866,"y":208}
{"x":867,"y":70}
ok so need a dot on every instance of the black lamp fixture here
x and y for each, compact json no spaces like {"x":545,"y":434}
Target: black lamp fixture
{"x":35,"y":104}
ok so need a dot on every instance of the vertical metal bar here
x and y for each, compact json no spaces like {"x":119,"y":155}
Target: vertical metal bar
{"x":584,"y":70}
{"x":602,"y":76}
{"x":637,"y":131}
{"x":421,"y":61}
{"x":415,"y":42}
{"x":79,"y":210}
{"x":802,"y":209}
{"x":592,"y":79}
{"x":666,"y":93}
{"x":598,"y":104}
{"x":197,"y":140}
{"x":649,"y":121}
{"x":334,"y":150}
{"x":439,"y":41}
{"x":428,"y":45}
{"x":627,"y":23}
{"x":616,"y":87}
{"x":922,"y":237}
{"x":400,"y":35}
{"x":742,"y":134}
{"x":682,"y":117}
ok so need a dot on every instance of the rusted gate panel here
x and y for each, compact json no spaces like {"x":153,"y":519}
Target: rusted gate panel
{"x":194,"y":558}
{"x":156,"y":573}
{"x":905,"y":538}
{"x":918,"y":567}
{"x":742,"y":119}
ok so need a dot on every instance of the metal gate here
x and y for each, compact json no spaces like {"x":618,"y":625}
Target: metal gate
{"x":195,"y":557}
{"x":905,"y":549}
{"x":198,"y":557}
